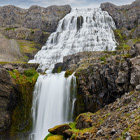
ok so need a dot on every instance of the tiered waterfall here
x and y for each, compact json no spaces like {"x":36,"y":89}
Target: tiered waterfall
{"x":80,"y":30}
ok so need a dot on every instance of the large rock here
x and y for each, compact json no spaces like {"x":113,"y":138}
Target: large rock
{"x":16,"y":99}
{"x":127,"y":16}
{"x":45,"y":19}
{"x":59,"y":129}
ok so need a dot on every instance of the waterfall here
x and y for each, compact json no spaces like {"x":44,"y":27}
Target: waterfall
{"x":54,"y":95}
{"x":53,"y":102}
{"x":80,"y":30}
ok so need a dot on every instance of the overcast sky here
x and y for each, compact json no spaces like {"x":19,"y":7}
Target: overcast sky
{"x":73,"y":3}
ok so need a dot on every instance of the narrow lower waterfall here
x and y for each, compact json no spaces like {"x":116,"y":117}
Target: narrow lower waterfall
{"x":53,"y":102}
{"x":80,"y":30}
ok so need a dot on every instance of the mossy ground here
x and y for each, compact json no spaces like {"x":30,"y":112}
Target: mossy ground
{"x":28,"y":47}
{"x":21,"y":116}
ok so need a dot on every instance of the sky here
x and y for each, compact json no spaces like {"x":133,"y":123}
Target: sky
{"x":73,"y":3}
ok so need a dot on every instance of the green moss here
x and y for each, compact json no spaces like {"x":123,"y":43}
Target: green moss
{"x":48,"y":136}
{"x":72,"y":125}
{"x":103,"y":58}
{"x":21,"y":116}
{"x":7,"y":29}
{"x":123,"y":46}
{"x":119,"y":36}
{"x":28,"y":47}
{"x":68,"y":73}
{"x":30,"y":72}
{"x":54,"y":137}
{"x":59,"y":69}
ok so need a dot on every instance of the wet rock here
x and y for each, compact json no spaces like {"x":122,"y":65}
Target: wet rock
{"x":125,"y":17}
{"x":59,"y":129}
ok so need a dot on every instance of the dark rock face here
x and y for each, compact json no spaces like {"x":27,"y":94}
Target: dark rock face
{"x":101,"y":84}
{"x":45,"y":19}
{"x":102,"y":77}
{"x":14,"y":113}
{"x":6,"y":97}
{"x":127,"y":16}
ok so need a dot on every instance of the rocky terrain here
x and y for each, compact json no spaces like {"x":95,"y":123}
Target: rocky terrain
{"x":117,"y":121}
{"x":102,"y":77}
{"x":24,"y":31}
{"x":45,"y":19}
{"x":127,"y":18}
{"x":16,"y":86}
{"x":108,"y":85}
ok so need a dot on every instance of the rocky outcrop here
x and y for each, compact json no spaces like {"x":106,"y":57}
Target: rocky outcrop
{"x":126,"y":18}
{"x":59,"y":129}
{"x":24,"y":31}
{"x":102,"y":77}
{"x":16,"y":86}
{"x":103,"y":83}
{"x":45,"y":19}
{"x":36,"y":35}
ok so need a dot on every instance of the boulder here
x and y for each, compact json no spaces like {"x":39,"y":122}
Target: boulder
{"x":59,"y":129}
{"x":84,"y":121}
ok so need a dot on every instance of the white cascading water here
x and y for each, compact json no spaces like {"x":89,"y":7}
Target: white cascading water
{"x":53,"y":102}
{"x":54,"y":95}
{"x":80,"y":30}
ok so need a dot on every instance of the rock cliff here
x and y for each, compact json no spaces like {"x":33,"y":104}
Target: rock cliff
{"x":127,"y":17}
{"x":24,"y":31}
{"x":45,"y":19}
{"x":16,"y":86}
{"x":102,"y":77}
